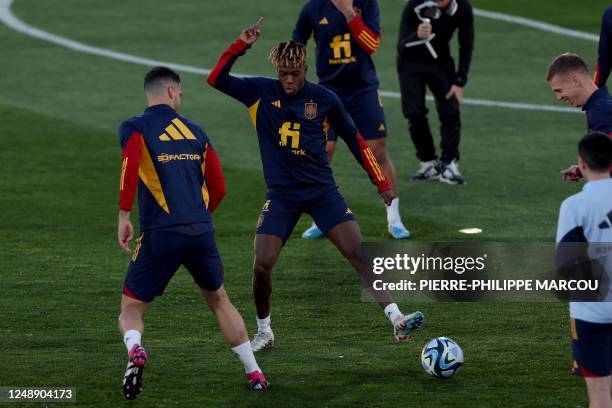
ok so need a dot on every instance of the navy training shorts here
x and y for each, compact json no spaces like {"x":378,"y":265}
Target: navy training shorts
{"x":280,"y":213}
{"x":366,"y":109}
{"x":158,"y":255}
{"x":592,"y":345}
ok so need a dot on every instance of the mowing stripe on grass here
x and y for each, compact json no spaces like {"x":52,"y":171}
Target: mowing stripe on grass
{"x":10,"y":20}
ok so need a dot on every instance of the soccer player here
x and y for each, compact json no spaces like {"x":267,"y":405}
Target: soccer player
{"x":568,"y":77}
{"x":346,"y":33}
{"x":604,"y":53}
{"x":170,"y":162}
{"x":587,"y":217}
{"x":424,"y":59}
{"x":290,"y":116}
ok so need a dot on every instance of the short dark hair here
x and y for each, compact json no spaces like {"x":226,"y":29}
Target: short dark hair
{"x":160,"y":74}
{"x":595,"y":148}
{"x":566,"y":63}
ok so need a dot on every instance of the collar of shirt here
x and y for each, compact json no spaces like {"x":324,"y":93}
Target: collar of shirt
{"x":158,"y":108}
{"x":596,"y":184}
{"x":598,"y":94}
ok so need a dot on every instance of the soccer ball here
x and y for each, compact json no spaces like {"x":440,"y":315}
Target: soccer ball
{"x":442,"y":357}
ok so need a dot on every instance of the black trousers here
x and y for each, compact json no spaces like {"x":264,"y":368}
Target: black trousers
{"x":414,"y":76}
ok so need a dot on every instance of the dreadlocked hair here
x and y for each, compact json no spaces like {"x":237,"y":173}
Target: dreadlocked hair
{"x":290,"y":53}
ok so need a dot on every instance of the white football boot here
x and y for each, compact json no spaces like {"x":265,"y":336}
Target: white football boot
{"x":262,"y":341}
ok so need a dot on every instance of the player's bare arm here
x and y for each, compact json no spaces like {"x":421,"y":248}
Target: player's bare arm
{"x":125,"y":231}
{"x":346,"y":8}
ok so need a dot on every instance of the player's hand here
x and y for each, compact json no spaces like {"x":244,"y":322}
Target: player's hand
{"x":424,"y":30}
{"x":572,"y":173}
{"x":388,"y":196}
{"x":125,"y":231}
{"x":346,"y":8}
{"x":457,"y":92}
{"x":250,"y":34}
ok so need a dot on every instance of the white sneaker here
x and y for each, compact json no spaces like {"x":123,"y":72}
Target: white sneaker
{"x":450,"y":173}
{"x":262,"y":341}
{"x":406,"y":324}
{"x":397,"y":230}
{"x":429,"y":170}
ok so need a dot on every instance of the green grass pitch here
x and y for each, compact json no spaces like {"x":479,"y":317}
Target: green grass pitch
{"x":61,"y":269}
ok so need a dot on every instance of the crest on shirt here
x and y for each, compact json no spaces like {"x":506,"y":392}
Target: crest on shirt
{"x":310,"y":110}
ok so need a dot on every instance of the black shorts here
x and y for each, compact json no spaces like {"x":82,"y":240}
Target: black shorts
{"x":159,"y":254}
{"x":592,"y":344}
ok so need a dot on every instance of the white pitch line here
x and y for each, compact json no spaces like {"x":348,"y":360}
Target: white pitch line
{"x":538,"y":25}
{"x":10,"y":20}
{"x":500,"y":104}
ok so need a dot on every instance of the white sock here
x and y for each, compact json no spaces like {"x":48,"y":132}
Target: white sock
{"x":393,"y":214}
{"x":392,"y":312}
{"x":132,"y":337}
{"x":263,"y":325}
{"x":245,"y":354}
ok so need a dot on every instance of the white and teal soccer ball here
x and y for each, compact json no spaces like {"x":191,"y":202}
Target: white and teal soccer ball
{"x":442,"y":357}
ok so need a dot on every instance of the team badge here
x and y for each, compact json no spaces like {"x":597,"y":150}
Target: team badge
{"x":310,"y":110}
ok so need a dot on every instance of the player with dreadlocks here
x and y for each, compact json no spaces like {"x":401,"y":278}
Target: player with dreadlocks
{"x":291,"y":117}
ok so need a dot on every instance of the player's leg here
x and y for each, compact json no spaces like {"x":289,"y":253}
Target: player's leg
{"x":267,"y":249}
{"x":131,"y":326}
{"x":234,"y":331}
{"x":366,"y":109}
{"x":154,"y":262}
{"x":439,"y":81}
{"x":412,"y":87}
{"x":313,"y":231}
{"x":203,"y":261}
{"x":347,"y":238}
{"x":592,"y":348}
{"x":599,"y":391}
{"x":338,"y":223}
{"x":276,"y":222}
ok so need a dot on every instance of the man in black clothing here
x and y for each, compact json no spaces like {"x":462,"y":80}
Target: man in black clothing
{"x":424,"y":59}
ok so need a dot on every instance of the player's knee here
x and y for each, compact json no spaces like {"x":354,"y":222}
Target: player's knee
{"x":216,"y":298}
{"x":262,"y":269}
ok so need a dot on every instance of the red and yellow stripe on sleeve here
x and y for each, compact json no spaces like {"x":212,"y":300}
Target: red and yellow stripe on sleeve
{"x":364,"y":36}
{"x":371,"y":165}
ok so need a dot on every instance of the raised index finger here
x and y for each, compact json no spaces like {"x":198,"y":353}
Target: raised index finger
{"x":258,"y":23}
